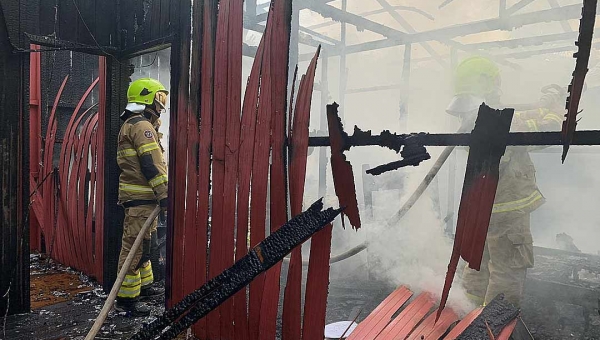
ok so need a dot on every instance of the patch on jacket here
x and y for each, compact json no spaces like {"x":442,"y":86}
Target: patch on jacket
{"x":148,"y":134}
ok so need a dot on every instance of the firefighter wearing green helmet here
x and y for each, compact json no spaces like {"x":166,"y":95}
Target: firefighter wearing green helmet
{"x":509,"y":244}
{"x":142,"y":185}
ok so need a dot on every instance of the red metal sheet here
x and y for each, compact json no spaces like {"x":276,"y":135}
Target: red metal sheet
{"x":379,"y":318}
{"x":204,"y":148}
{"x":260,"y":168}
{"x":507,"y":331}
{"x":279,"y":39}
{"x":343,"y":176}
{"x":218,"y":241}
{"x":404,"y":323}
{"x":247,"y":135}
{"x":463,"y":324}
{"x":429,"y":329}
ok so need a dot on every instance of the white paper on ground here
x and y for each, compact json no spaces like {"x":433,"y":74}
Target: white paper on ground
{"x":336,"y":329}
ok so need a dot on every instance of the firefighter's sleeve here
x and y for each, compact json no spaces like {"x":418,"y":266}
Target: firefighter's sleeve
{"x":539,"y":120}
{"x":152,"y":163}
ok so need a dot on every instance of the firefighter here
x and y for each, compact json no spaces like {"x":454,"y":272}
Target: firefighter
{"x":509,"y":244}
{"x":142,"y":186}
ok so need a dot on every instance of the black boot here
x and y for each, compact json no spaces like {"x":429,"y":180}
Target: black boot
{"x":132,"y":307}
{"x":151,"y":291}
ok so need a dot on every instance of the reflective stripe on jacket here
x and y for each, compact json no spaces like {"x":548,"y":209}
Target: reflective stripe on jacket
{"x":517,"y":191}
{"x":143,"y":168}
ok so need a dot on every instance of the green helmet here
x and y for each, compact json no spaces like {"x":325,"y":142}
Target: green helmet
{"x":477,"y":76}
{"x":143,"y":91}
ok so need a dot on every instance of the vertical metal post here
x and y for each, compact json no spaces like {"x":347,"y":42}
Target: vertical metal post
{"x":451,"y":169}
{"x":343,"y":71}
{"x":405,"y":87}
{"x":323,"y":124}
{"x":502,"y":9}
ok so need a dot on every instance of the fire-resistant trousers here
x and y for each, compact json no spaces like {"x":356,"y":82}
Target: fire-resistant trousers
{"x":507,"y":255}
{"x":140,"y":271}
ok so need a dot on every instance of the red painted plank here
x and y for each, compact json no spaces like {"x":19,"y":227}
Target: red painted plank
{"x":48,"y":187}
{"x":35,"y":143}
{"x":260,"y":168}
{"x":232,"y":144}
{"x":479,"y":190}
{"x":100,"y":156}
{"x":66,"y":232}
{"x":463,"y":324}
{"x":343,"y":176}
{"x":432,"y":330}
{"x":373,"y":324}
{"x":507,"y":331}
{"x":247,"y":135}
{"x":292,"y":304}
{"x":218,"y":241}
{"x":178,"y":168}
{"x":92,"y":202}
{"x":317,"y":282}
{"x":204,"y":147}
{"x":404,"y":323}
{"x":278,"y":184}
{"x":190,"y":246}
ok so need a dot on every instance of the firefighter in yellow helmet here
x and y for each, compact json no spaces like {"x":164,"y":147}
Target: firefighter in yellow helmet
{"x":142,"y":186}
{"x":509,"y":243}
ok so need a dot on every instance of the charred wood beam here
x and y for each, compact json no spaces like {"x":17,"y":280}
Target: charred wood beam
{"x":506,"y":23}
{"x":590,"y":137}
{"x":494,"y":317}
{"x":306,"y":39}
{"x":260,"y":258}
{"x":521,"y":42}
{"x":379,"y":11}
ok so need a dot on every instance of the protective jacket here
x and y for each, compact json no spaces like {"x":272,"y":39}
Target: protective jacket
{"x":517,"y":191}
{"x":143,"y":178}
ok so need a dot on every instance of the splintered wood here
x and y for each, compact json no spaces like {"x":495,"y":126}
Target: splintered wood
{"x":417,"y":320}
{"x":231,"y":153}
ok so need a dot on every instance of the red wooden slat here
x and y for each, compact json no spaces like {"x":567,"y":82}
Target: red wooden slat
{"x":404,"y":323}
{"x":317,"y":282}
{"x":190,"y":247}
{"x":100,"y":156}
{"x":204,"y":148}
{"x":292,"y":322}
{"x":218,"y":241}
{"x":66,"y":153}
{"x":247,"y":135}
{"x":278,"y":185}
{"x":381,"y":315}
{"x":343,"y":176}
{"x":432,"y":330}
{"x":260,"y":168}
{"x":232,"y":141}
{"x":84,"y":166}
{"x":35,"y":144}
{"x":48,"y":187}
{"x":507,"y":331}
{"x":463,"y":324}
{"x":479,"y":190}
{"x":91,"y":203}
{"x":179,"y":166}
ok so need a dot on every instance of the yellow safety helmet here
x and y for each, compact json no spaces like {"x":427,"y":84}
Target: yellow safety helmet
{"x":477,"y":76}
{"x":146,"y":91}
